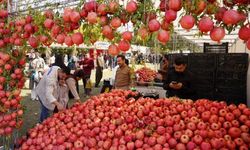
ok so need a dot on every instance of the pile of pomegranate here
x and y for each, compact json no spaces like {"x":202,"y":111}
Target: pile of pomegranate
{"x":110,"y":121}
{"x":146,"y":74}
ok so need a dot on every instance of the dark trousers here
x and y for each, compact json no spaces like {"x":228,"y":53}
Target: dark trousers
{"x":85,"y":79}
{"x":98,"y":76}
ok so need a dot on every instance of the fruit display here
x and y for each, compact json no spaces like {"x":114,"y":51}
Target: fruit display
{"x":111,"y":121}
{"x":146,"y":74}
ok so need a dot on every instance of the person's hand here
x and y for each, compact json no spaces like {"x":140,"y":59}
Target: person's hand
{"x":175,"y":86}
{"x":59,"y":106}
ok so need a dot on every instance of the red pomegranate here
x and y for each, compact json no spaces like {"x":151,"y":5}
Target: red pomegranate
{"x":103,"y":20}
{"x":187,"y":22}
{"x":244,"y":33}
{"x":56,"y":29}
{"x":165,"y":25}
{"x":92,"y":17}
{"x":205,"y":24}
{"x":28,"y":28}
{"x":83,"y":13}
{"x":163,"y":5}
{"x":90,"y":6}
{"x":43,"y":38}
{"x":3,"y":13}
{"x":174,"y":5}
{"x":102,"y":9}
{"x":28,"y":19}
{"x":115,"y":22}
{"x":220,"y":13}
{"x":77,"y":38}
{"x":217,"y":34}
{"x":33,"y":42}
{"x":127,"y":35}
{"x":106,"y":30}
{"x":123,"y":45}
{"x":143,"y":32}
{"x":68,"y":41}
{"x":201,"y":7}
{"x":48,"y":23}
{"x":48,"y":14}
{"x":113,"y":6}
{"x":154,"y":25}
{"x":75,"y":17}
{"x":131,"y":6}
{"x":231,"y":17}
{"x":170,"y":15}
{"x":66,"y":14}
{"x":60,"y":38}
{"x":163,"y":36}
{"x":113,"y":50}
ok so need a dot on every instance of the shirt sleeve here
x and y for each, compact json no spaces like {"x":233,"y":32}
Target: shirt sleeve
{"x":72,"y":87}
{"x":49,"y":91}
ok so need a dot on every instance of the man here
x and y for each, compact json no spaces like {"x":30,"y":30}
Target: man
{"x":179,"y":80}
{"x":87,"y":65}
{"x":99,"y":69}
{"x":48,"y":91}
{"x":122,"y":77}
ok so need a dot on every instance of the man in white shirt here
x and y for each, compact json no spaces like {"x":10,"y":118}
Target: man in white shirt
{"x":47,"y":91}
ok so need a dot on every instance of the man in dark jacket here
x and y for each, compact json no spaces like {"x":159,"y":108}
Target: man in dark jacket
{"x":179,"y":81}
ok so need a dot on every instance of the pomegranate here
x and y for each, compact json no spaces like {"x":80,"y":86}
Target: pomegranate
{"x":127,"y":35}
{"x":77,"y":38}
{"x":75,"y":17}
{"x":205,"y":24}
{"x":115,"y":22}
{"x":131,"y":6}
{"x":219,"y":15}
{"x":154,"y":25}
{"x":244,"y":33}
{"x":231,"y":17}
{"x":123,"y":45}
{"x":33,"y":42}
{"x":217,"y":34}
{"x":68,"y":41}
{"x":163,"y":36}
{"x":48,"y":23}
{"x":90,"y":6}
{"x":92,"y":17}
{"x":170,"y":15}
{"x":187,"y":22}
{"x":113,"y":50}
{"x":102,"y":9}
{"x":174,"y":5}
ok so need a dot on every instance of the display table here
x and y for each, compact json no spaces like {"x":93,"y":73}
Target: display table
{"x":151,"y":89}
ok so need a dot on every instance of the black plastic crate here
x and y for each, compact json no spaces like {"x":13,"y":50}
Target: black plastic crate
{"x":231,"y":90}
{"x":233,"y":75}
{"x":201,"y":61}
{"x":231,"y":99}
{"x":230,"y":83}
{"x":233,"y":61}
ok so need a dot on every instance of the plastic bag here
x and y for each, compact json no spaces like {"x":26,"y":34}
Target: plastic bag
{"x":88,"y":84}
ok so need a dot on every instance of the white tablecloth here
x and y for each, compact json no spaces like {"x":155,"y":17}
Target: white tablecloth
{"x":152,"y":89}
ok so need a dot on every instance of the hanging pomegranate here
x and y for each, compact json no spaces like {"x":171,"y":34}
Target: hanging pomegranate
{"x":83,"y":13}
{"x":165,"y":25}
{"x":75,"y":17}
{"x":201,"y":6}
{"x":43,"y":38}
{"x":131,"y":6}
{"x":127,"y":36}
{"x":48,"y":23}
{"x":115,"y":22}
{"x":92,"y":17}
{"x":68,"y":41}
{"x":33,"y":42}
{"x":77,"y":38}
{"x":113,"y":50}
{"x":205,"y":24}
{"x":163,"y":36}
{"x":187,"y":22}
{"x":113,"y":7}
{"x":143,"y":32}
{"x":66,"y":14}
{"x":220,"y":13}
{"x":170,"y":15}
{"x":174,"y":5}
{"x":154,"y":25}
{"x":106,"y":30}
{"x":60,"y":38}
{"x":217,"y":34}
{"x":231,"y":17}
{"x":102,"y":9}
{"x":244,"y":33}
{"x":123,"y":45}
{"x":103,"y":20}
{"x":163,"y":5}
{"x":90,"y":6}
